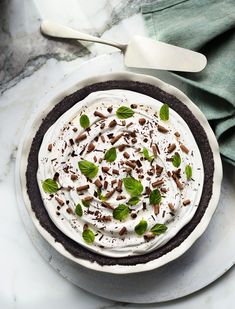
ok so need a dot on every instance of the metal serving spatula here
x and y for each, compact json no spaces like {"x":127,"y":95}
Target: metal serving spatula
{"x":140,"y":52}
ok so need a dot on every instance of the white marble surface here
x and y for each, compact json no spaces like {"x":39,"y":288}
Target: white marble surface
{"x":30,"y":66}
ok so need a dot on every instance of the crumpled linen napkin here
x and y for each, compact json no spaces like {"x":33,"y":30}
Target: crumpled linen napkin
{"x":207,"y":26}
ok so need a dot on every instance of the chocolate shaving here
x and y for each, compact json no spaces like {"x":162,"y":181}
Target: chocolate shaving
{"x":110,"y":135}
{"x":88,"y":198}
{"x":73,"y":154}
{"x":159,"y":169}
{"x":98,"y":183}
{"x":85,"y":226}
{"x":154,"y":149}
{"x":115,"y":172}
{"x":186,"y":202}
{"x":119,"y":186}
{"x":49,"y":148}
{"x":171,"y":147}
{"x":126,"y":155}
{"x":105,"y":184}
{"x":130,"y":164}
{"x":106,"y":218}
{"x":99,"y":114}
{"x":60,"y":202}
{"x":123,"y":231}
{"x":69,"y":210}
{"x":158,"y":183}
{"x":177,"y":134}
{"x":80,"y":137}
{"x":133,"y":106}
{"x":113,"y":123}
{"x":113,"y":182}
{"x":90,"y":147}
{"x":147,"y":190}
{"x":110,"y":193}
{"x":71,"y":141}
{"x":107,"y":205}
{"x":142,"y":121}
{"x":171,"y":206}
{"x":56,"y":176}
{"x":120,"y":197}
{"x":162,"y":129}
{"x":177,"y":172}
{"x":110,"y":109}
{"x":102,"y":138}
{"x":82,"y":188}
{"x":74,"y":177}
{"x":105,"y":169}
{"x":156,"y":209}
{"x":102,"y":125}
{"x":178,"y":183}
{"x":116,"y":138}
{"x":122,"y":147}
{"x":184,"y":148}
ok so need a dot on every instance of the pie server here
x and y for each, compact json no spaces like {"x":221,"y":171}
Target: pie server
{"x":140,"y":52}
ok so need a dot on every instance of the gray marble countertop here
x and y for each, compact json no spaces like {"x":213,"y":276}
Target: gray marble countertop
{"x":30,"y":65}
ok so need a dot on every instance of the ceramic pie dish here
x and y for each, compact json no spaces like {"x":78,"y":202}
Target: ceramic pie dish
{"x":172,"y":161}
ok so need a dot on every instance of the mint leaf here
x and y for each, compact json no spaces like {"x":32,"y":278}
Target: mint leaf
{"x":141,"y":227}
{"x":110,"y":155}
{"x":133,"y":200}
{"x":147,"y":155}
{"x":155,"y":197}
{"x":88,"y":169}
{"x":88,"y":236}
{"x":50,"y":186}
{"x":133,"y":186}
{"x":121,"y":212}
{"x":124,"y":112}
{"x":158,"y":229}
{"x":78,"y":210}
{"x":84,"y":121}
{"x":176,"y":160}
{"x":101,"y":196}
{"x":188,"y":171}
{"x":164,"y":112}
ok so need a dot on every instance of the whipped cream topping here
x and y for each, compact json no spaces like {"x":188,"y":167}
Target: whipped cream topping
{"x":62,"y":148}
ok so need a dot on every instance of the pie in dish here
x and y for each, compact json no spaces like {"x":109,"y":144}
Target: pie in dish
{"x":121,"y":173}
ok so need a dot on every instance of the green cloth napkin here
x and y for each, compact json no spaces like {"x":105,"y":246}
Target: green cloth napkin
{"x":206,"y":26}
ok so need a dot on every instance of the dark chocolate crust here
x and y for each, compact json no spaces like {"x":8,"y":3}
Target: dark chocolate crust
{"x":34,"y":194}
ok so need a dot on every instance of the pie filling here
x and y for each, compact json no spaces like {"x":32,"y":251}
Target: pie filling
{"x":120,"y":173}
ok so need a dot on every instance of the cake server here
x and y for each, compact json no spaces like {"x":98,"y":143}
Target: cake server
{"x":140,"y":52}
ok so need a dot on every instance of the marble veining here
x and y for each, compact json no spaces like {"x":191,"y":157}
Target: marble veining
{"x":25,"y":50}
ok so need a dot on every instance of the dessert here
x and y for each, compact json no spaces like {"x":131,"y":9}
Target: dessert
{"x":116,"y":173}
{"x":120,"y":173}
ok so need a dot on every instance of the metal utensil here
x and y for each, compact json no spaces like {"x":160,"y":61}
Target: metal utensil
{"x":140,"y":52}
